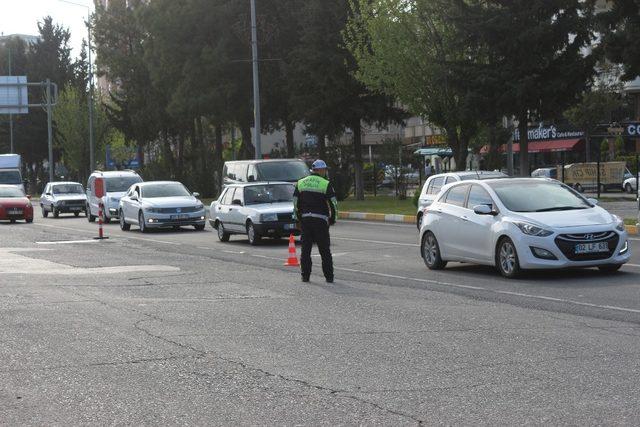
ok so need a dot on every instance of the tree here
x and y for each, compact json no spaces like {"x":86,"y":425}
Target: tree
{"x":327,"y":94}
{"x":620,"y":29}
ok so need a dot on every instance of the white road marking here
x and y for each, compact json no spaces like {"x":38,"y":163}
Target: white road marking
{"x":13,"y":263}
{"x":234,"y":252}
{"x":375,"y":241}
{"x":454,"y":285}
{"x":336,"y":254}
{"x":68,"y":242}
{"x":632,"y":265}
{"x":115,"y":236}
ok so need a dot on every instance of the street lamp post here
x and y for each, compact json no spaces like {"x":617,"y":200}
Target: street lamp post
{"x":92,"y":162}
{"x":256,"y":82}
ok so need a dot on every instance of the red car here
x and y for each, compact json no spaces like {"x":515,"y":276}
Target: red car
{"x":14,"y":204}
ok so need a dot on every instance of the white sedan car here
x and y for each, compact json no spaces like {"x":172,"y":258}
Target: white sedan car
{"x":521,"y":223}
{"x":255,"y":209}
{"x":160,"y":204}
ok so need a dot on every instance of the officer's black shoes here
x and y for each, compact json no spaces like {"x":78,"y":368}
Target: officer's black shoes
{"x":305,"y":278}
{"x":329,"y":279}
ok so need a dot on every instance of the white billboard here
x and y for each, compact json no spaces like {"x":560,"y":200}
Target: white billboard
{"x":13,"y":95}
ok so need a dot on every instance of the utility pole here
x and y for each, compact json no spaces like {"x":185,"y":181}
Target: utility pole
{"x":256,"y":82}
{"x":11,"y":149}
{"x":50,"y":139}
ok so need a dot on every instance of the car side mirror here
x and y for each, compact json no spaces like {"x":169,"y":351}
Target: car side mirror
{"x":196,"y":194}
{"x":484,"y":210}
{"x":251,"y":178}
{"x":47,"y":194}
{"x":592,"y":201}
{"x":237,"y":202}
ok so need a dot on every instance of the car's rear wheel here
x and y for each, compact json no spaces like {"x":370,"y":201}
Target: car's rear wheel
{"x":431,"y":252}
{"x":252,"y":235}
{"x":141,"y":223}
{"x":124,"y":226}
{"x":419,"y":220}
{"x":45,"y":212}
{"x":507,"y":258}
{"x":610,"y":268}
{"x":28,"y":220}
{"x":223,"y":236}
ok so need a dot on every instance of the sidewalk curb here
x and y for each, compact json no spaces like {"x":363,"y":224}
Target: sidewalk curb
{"x":367,"y":216}
{"x":411,"y":219}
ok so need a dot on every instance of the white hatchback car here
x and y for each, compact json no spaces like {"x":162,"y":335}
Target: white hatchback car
{"x":521,"y":223}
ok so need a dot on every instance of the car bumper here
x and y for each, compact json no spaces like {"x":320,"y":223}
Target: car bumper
{"x":527,"y":246}
{"x":276,"y":229}
{"x":70,"y":209}
{"x":166,"y":221}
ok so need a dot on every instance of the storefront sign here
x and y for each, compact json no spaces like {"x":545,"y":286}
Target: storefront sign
{"x":633,"y":129}
{"x":542,"y":133}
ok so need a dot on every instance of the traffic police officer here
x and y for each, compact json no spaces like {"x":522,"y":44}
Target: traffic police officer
{"x":315,"y":208}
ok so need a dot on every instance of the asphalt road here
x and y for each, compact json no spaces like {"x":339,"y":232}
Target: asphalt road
{"x":178,"y":328}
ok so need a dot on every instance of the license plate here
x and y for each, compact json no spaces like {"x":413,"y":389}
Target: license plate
{"x":183,"y":216}
{"x":289,"y":226}
{"x":14,"y":211}
{"x":589,"y":248}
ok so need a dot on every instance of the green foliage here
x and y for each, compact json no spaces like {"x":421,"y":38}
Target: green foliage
{"x":416,"y":196}
{"x":620,"y":28}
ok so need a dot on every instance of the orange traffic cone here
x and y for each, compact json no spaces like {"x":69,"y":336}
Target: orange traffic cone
{"x":292,"y":261}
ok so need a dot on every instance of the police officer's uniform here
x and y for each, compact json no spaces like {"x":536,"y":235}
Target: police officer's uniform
{"x":315,"y":207}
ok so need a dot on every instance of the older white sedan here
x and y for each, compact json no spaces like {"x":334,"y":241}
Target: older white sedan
{"x":256,"y":209}
{"x":160,"y":204}
{"x":516,"y":224}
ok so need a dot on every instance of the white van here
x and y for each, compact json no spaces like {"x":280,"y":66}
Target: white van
{"x":116,"y":185}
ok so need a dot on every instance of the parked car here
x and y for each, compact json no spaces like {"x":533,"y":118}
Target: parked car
{"x":116,"y":185}
{"x":282,"y":170}
{"x":545,"y":173}
{"x":160,"y":204}
{"x":257,"y":210}
{"x":521,"y":223}
{"x":434,"y":183}
{"x":14,"y":204}
{"x":630,"y":185}
{"x":63,"y":197}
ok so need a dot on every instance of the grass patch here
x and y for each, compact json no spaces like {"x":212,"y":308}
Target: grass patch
{"x":630,"y":221}
{"x":380,"y":204}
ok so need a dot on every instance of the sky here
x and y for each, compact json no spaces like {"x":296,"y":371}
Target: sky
{"x":22,"y":16}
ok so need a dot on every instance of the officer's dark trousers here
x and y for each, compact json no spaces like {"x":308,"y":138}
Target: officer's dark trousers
{"x":316,"y":230}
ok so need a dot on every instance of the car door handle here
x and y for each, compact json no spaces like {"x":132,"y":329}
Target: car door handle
{"x":465,"y":218}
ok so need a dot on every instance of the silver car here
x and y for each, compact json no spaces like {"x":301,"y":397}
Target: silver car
{"x":63,"y":197}
{"x":257,"y":210}
{"x":160,"y":204}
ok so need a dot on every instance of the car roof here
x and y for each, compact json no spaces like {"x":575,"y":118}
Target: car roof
{"x":264,"y":161}
{"x":115,"y":173}
{"x":252,"y":184}
{"x":147,"y":183}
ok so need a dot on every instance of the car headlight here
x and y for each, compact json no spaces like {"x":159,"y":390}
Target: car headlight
{"x":533,"y":230}
{"x":619,"y":223}
{"x":268,"y":217}
{"x":199,"y":207}
{"x":61,"y":203}
{"x":153,"y":210}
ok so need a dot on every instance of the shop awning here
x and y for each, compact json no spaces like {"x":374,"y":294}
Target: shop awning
{"x":435,"y":151}
{"x":555,"y":145}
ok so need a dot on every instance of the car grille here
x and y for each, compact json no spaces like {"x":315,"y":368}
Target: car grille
{"x":283,"y":217}
{"x":175,"y":210}
{"x":567,"y":243}
{"x":74,"y":203}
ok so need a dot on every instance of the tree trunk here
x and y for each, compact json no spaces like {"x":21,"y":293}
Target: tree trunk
{"x":179,"y":173}
{"x":524,"y":145}
{"x":357,"y":160}
{"x":463,"y":149}
{"x":247,"y":150}
{"x":587,"y":146}
{"x":167,"y":153}
{"x":322,"y":147}
{"x":217,"y":160}
{"x":195,"y":147}
{"x":291,"y":147}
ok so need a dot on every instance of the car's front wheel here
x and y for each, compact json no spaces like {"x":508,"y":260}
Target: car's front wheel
{"x":105,"y":218}
{"x":628,"y":188}
{"x":507,"y":258}
{"x":252,"y":234}
{"x":45,"y":212}
{"x":141,"y":223}
{"x":223,"y":236}
{"x":431,"y":252}
{"x":56,"y":213}
{"x":124,"y":226}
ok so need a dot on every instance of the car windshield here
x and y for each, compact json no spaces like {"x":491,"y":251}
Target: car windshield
{"x":541,"y":196}
{"x":10,"y":177}
{"x":11,"y":192}
{"x":120,"y":183}
{"x":270,"y":193}
{"x":164,"y":190}
{"x":282,"y":171}
{"x":68,"y":189}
